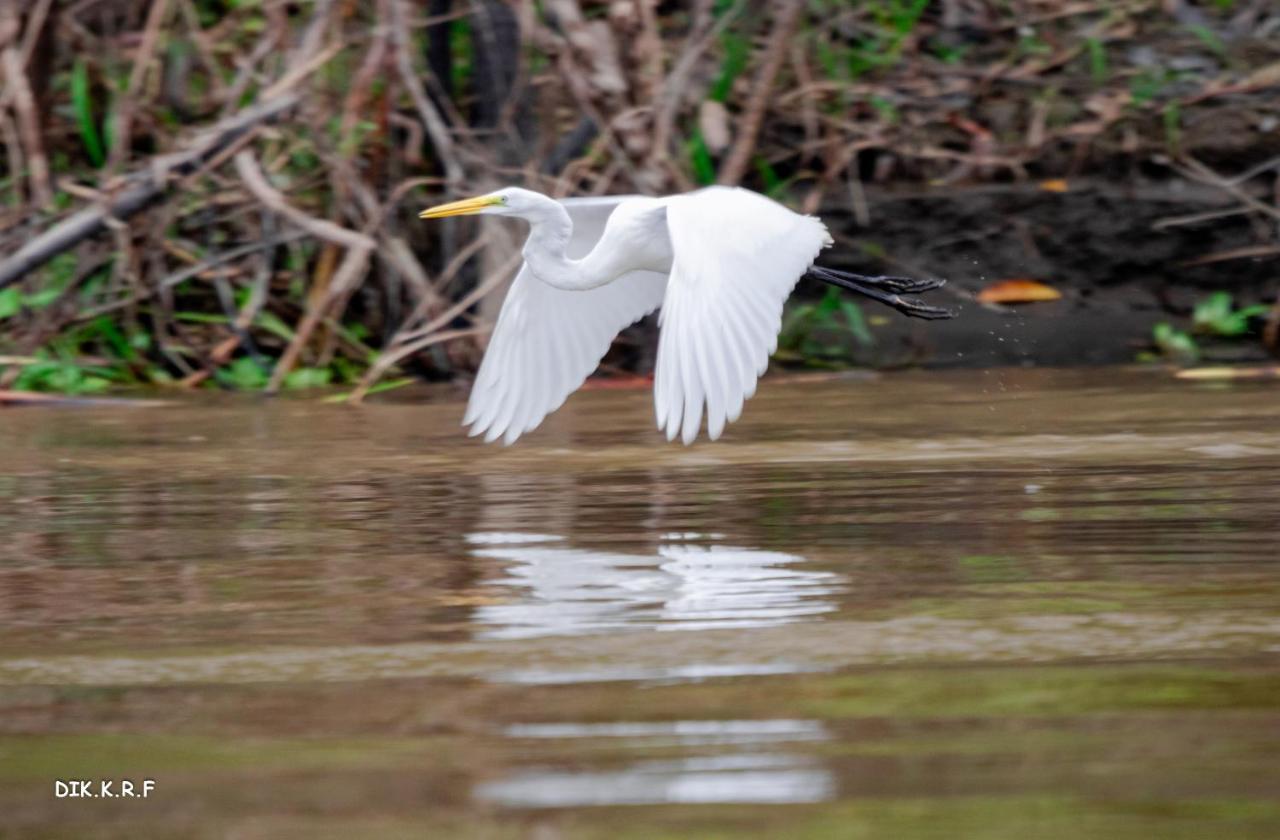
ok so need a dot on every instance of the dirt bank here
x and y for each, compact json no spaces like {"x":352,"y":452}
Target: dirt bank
{"x":1124,"y":254}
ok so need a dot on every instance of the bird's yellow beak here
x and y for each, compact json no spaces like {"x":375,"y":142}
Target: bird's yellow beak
{"x":465,"y":207}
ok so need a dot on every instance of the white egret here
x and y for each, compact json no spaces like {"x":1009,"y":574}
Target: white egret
{"x":719,"y":262}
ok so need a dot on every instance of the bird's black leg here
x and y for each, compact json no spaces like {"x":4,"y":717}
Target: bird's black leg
{"x":887,"y":290}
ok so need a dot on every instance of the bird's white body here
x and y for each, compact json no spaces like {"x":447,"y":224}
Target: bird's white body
{"x":719,"y":262}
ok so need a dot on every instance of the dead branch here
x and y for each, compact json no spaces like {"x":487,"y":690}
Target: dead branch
{"x":387,"y":360}
{"x":1197,"y":171}
{"x":140,"y":189}
{"x":735,"y":166}
{"x":194,"y":270}
{"x":675,"y":85}
{"x":256,"y":182}
{"x":354,"y":262}
{"x":18,"y":89}
{"x":428,"y":335}
{"x":123,"y":121}
{"x":431,"y":119}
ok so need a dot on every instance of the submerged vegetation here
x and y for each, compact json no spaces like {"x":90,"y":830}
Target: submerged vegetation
{"x":221,"y":193}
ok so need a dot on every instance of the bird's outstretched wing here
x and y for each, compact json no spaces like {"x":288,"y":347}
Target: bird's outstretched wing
{"x":548,"y":341}
{"x":737,"y":255}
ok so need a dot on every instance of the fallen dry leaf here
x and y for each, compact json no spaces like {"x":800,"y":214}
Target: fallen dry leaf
{"x":1018,"y":290}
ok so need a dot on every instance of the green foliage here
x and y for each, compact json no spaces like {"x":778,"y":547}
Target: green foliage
{"x":773,"y":185}
{"x":1149,"y":84}
{"x":830,"y":330}
{"x":737,"y":52}
{"x":82,"y":106}
{"x":308,"y":378}
{"x":887,"y":110}
{"x":1216,"y":315}
{"x":84,"y":359}
{"x":56,"y":276}
{"x":209,"y":12}
{"x":243,"y":374}
{"x":10,"y":302}
{"x":1209,"y":38}
{"x":1031,"y":44}
{"x":461,"y":51}
{"x":895,"y":21}
{"x":947,"y":54}
{"x":61,"y":375}
{"x":362,"y":131}
{"x":41,"y":298}
{"x":380,"y":388}
{"x":1097,"y":52}
{"x":1175,"y":344}
{"x":901,"y":16}
{"x":704,"y":168}
{"x":104,"y":351}
{"x":65,"y":365}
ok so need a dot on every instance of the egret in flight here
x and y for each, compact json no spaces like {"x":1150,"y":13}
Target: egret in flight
{"x":718,"y":262}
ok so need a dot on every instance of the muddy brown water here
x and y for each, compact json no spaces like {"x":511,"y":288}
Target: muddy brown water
{"x":980,"y":604}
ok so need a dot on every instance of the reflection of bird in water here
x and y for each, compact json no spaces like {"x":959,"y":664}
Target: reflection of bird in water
{"x":562,"y":591}
{"x":720,"y":262}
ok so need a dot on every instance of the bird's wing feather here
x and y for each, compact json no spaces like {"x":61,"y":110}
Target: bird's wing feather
{"x":548,"y":340}
{"x":737,"y":255}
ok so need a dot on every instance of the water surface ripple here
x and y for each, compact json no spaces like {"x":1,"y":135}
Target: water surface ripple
{"x":1007,"y":603}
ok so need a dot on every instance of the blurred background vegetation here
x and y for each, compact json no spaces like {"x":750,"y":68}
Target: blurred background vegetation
{"x":223,"y":193}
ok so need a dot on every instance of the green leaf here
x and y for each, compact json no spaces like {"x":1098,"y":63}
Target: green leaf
{"x":1175,"y":343}
{"x":111,"y":335}
{"x":82,"y":106}
{"x":1212,"y":309}
{"x":201,"y":318}
{"x":1215,"y":316}
{"x":1147,"y":85}
{"x":243,"y":373}
{"x":704,"y":169}
{"x":857,"y":323}
{"x":381,"y":387}
{"x":769,"y":177}
{"x":737,"y":51}
{"x":308,"y":378}
{"x":10,"y":302}
{"x":1209,"y":38}
{"x":1097,"y":60}
{"x":887,"y":111}
{"x":829,"y":305}
{"x":42,"y":298}
{"x":272,"y":324}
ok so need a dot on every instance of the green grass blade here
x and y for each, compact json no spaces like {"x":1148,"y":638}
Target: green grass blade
{"x":82,"y":105}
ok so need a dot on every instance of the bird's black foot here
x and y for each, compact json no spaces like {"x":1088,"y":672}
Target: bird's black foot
{"x":887,"y":290}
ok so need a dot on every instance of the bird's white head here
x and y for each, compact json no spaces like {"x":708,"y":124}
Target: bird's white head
{"x":511,"y":201}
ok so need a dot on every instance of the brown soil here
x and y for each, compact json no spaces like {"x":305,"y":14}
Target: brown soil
{"x":1108,"y":247}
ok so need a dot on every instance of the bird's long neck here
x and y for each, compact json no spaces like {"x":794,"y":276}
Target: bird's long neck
{"x":546,"y":252}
